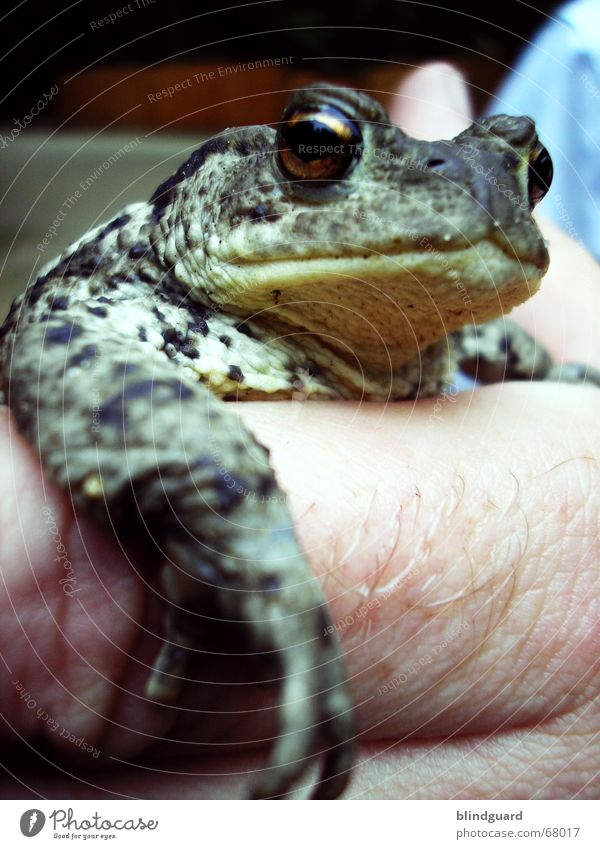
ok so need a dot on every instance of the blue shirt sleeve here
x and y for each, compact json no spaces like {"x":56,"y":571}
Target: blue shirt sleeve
{"x":557,"y":82}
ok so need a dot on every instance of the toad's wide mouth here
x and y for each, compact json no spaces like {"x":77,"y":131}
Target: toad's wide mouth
{"x":398,"y":303}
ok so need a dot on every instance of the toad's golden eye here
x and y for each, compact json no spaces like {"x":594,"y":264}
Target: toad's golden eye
{"x":540,"y":174}
{"x":318,"y":144}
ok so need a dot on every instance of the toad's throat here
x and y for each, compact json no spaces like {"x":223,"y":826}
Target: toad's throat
{"x":379,"y":310}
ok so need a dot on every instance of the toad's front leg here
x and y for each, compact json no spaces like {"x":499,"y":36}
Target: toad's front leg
{"x":137,"y":442}
{"x":501,"y":350}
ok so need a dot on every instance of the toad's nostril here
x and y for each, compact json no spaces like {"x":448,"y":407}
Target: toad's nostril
{"x":435,"y":164}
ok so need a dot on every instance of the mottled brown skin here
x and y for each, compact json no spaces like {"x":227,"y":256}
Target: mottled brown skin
{"x":236,"y":281}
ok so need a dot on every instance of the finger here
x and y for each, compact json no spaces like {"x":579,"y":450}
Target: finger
{"x":539,"y":763}
{"x":432,"y":102}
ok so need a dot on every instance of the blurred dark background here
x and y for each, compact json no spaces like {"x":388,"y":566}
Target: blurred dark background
{"x":156,"y":42}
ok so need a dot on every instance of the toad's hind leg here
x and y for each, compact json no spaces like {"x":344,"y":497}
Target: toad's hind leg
{"x":137,"y":442}
{"x":282,"y":613}
{"x":501,"y":350}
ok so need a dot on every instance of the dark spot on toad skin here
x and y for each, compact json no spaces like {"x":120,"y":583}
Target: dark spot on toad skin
{"x":160,"y":316}
{"x":113,"y":414}
{"x":199,"y":312}
{"x":33,"y":297}
{"x":174,"y":292}
{"x":62,"y":335}
{"x":83,"y":356}
{"x":165,"y":193}
{"x":121,"y":221}
{"x":270,"y":583}
{"x":230,"y":490}
{"x":512,"y":359}
{"x":198,"y":326}
{"x":100,"y":312}
{"x":145,"y":276}
{"x":142,"y":335}
{"x":261,"y":213}
{"x":189,"y":351}
{"x":161,"y":391}
{"x":243,"y":328}
{"x":138,"y":251}
{"x":81,"y":263}
{"x":226,"y":340}
{"x":41,"y":281}
{"x":171,"y":336}
{"x":265,"y":485}
{"x":104,"y":300}
{"x":12,"y":314}
{"x":202,"y":463}
{"x":175,"y":341}
{"x":258,"y":213}
{"x":504,"y":344}
{"x":158,"y":392}
{"x":235,"y":373}
{"x":61,"y":302}
{"x":276,"y":295}
{"x":121,"y":369}
{"x":37,"y":289}
{"x":182,"y":391}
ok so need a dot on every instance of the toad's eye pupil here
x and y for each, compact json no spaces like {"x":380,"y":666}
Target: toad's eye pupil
{"x":540,"y":174}
{"x":311,"y":139}
{"x":318,"y":144}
